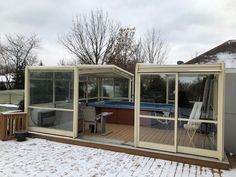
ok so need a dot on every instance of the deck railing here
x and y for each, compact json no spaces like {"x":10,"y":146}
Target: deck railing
{"x":11,"y":122}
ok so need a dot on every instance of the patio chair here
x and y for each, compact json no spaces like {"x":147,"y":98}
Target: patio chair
{"x":89,"y":116}
{"x":191,"y":126}
{"x":164,"y":123}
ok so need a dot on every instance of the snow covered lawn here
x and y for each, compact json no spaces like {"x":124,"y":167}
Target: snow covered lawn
{"x":37,"y":157}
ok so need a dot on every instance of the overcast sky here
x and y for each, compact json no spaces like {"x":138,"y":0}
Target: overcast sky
{"x":188,"y":26}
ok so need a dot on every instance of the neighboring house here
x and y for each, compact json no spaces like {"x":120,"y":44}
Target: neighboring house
{"x":226,"y":53}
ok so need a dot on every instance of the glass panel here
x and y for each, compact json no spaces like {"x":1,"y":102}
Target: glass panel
{"x":198,"y":100}
{"x":92,"y":87}
{"x":41,"y":88}
{"x":121,"y":87}
{"x":64,"y":87}
{"x":82,"y":90}
{"x":108,"y":87}
{"x":197,"y":135}
{"x":53,"y":119}
{"x":52,"y":89}
{"x":158,"y":95}
{"x":157,"y":131}
{"x":194,"y":89}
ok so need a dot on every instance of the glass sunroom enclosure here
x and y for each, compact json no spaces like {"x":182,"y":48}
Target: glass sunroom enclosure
{"x":53,"y":94}
{"x":178,"y":108}
{"x":189,"y":115}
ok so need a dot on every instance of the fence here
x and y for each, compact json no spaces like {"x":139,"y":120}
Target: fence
{"x":11,"y":96}
{"x":11,"y":122}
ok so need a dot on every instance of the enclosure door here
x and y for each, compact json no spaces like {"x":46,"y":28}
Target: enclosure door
{"x":198,"y":114}
{"x":156,"y":123}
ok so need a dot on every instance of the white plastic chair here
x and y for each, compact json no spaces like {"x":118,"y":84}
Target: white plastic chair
{"x":192,"y":126}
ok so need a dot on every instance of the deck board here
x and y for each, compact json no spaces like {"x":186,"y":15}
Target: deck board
{"x":125,"y":133}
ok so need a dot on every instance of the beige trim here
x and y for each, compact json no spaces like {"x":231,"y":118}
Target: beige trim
{"x":199,"y":120}
{"x":198,"y":151}
{"x":26,"y":102}
{"x":137,"y":107}
{"x":53,"y":109}
{"x":85,"y":69}
{"x":156,"y":117}
{"x":176,"y":111}
{"x":130,"y":90}
{"x":115,"y":98}
{"x":220,"y":126}
{"x":51,"y":131}
{"x":51,"y":68}
{"x":156,"y":146}
{"x":76,"y":103}
{"x":147,"y":68}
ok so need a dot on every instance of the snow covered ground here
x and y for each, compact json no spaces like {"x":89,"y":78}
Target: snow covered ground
{"x":37,"y":157}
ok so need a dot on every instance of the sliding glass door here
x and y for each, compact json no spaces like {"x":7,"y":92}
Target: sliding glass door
{"x":157,"y":123}
{"x":180,"y":110}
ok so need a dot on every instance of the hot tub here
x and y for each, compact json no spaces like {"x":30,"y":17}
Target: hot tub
{"x":123,"y":111}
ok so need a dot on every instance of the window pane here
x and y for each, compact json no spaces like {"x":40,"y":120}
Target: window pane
{"x":53,"y":119}
{"x":64,"y":87}
{"x":92,"y":87}
{"x":52,"y":89}
{"x":198,"y":89}
{"x":157,"y":131}
{"x":121,"y":87}
{"x":197,"y":135}
{"x":108,"y":87}
{"x":41,"y":87}
{"x":157,"y":95}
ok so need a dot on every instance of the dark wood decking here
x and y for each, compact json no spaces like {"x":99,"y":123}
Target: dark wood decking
{"x":125,"y":134}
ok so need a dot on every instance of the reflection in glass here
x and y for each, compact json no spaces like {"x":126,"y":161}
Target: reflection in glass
{"x":158,"y":95}
{"x":51,"y":89}
{"x":54,"y":119}
{"x":41,"y":87}
{"x":198,"y":88}
{"x":121,"y":87}
{"x":108,"y":87}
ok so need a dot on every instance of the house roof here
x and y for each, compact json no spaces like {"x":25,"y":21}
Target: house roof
{"x":225,"y":52}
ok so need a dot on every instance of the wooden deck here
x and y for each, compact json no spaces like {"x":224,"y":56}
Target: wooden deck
{"x":125,"y":134}
{"x":193,"y":160}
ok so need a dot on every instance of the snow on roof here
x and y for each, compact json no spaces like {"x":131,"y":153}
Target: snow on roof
{"x":228,"y":58}
{"x":230,"y":41}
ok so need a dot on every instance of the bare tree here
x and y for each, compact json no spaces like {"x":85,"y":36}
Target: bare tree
{"x":71,"y":62}
{"x":154,"y":47}
{"x":91,"y":38}
{"x":127,"y":50}
{"x":16,"y":52}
